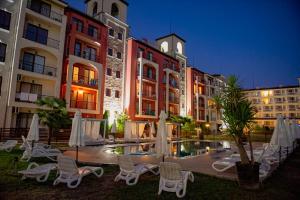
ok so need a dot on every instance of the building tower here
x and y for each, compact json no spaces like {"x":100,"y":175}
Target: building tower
{"x":113,"y":13}
{"x":174,"y":45}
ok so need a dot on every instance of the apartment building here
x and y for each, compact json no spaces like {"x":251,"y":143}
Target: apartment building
{"x":113,"y":13}
{"x":152,"y":82}
{"x":196,"y":94}
{"x":274,"y":101}
{"x":84,"y":64}
{"x":174,"y":45}
{"x":9,"y":18}
{"x":37,"y":58}
{"x":214,"y":85}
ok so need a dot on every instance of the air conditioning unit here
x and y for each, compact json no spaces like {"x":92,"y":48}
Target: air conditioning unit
{"x":19,"y":77}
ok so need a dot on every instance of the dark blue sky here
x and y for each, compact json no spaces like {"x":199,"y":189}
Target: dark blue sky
{"x":257,"y":40}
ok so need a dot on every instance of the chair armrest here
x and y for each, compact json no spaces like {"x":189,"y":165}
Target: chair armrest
{"x":33,"y":164}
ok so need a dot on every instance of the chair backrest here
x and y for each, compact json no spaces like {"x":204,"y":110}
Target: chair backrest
{"x":67,"y":165}
{"x":170,"y":170}
{"x":125,"y":162}
{"x":11,"y":142}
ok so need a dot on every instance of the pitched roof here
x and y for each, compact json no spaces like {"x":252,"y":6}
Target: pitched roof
{"x":172,"y":34}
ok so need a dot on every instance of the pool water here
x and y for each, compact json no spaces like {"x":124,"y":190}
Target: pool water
{"x":176,"y":148}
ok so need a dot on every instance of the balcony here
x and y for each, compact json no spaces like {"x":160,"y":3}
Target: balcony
{"x":37,"y":68}
{"x":45,"y":11}
{"x":172,"y":67}
{"x":83,"y":105}
{"x":174,"y":84}
{"x":148,"y":95}
{"x":148,"y":112}
{"x":147,"y":76}
{"x":174,"y":100}
{"x":292,"y":100}
{"x":87,"y":31}
{"x":40,"y":38}
{"x":28,"y":97}
{"x":88,"y":56}
{"x":85,"y":81}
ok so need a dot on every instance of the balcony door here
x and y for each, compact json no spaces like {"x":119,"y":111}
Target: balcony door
{"x":37,"y":34}
{"x":34,"y":63}
{"x":40,"y":7}
{"x":31,"y":88}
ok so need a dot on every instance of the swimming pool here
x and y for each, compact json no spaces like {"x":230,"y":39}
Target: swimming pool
{"x":178,"y":149}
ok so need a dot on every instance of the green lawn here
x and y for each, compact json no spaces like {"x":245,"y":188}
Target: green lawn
{"x":282,"y":185}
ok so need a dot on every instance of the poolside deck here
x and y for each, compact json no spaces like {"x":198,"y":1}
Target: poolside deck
{"x":201,"y":163}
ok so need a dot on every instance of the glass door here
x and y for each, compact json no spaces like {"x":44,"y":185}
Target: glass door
{"x":28,"y":60}
{"x":39,"y":63}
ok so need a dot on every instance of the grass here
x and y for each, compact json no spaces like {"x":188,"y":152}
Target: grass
{"x":282,"y":185}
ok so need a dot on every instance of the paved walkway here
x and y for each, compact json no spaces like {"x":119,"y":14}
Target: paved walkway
{"x":201,"y":164}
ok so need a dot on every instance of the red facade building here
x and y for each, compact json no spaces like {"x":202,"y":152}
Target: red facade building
{"x":152,"y":82}
{"x":196,"y":99}
{"x":84,"y":64}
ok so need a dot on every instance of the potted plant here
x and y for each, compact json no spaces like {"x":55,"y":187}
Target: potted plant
{"x":238,"y":115}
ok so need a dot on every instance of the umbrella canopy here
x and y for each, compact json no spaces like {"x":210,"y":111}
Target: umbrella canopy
{"x":152,"y":130}
{"x":295,"y":129}
{"x":161,"y":137}
{"x":33,"y":134}
{"x":114,"y":127}
{"x":289,"y":131}
{"x":279,"y":136}
{"x":77,"y":134}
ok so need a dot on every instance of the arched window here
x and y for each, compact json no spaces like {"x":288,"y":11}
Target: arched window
{"x":95,"y":7}
{"x":179,"y":48}
{"x":114,"y":10}
{"x":164,"y":47}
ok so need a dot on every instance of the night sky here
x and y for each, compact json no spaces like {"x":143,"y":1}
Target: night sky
{"x":257,"y":40}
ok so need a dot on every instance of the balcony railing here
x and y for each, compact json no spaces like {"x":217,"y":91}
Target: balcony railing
{"x":88,"y":56}
{"x":173,"y":99}
{"x":148,"y":94}
{"x":151,"y":77}
{"x":37,"y":68}
{"x":83,"y":105}
{"x":40,"y":38}
{"x":44,"y":11}
{"x":29,"y":97}
{"x":148,"y":112}
{"x":172,"y":67}
{"x":85,"y":81}
{"x":88,"y":31}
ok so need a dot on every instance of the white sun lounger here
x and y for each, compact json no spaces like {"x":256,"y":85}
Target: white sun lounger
{"x":39,"y":151}
{"x":39,"y":172}
{"x":130,"y":172}
{"x":173,"y":179}
{"x":8,"y":145}
{"x":69,"y":172}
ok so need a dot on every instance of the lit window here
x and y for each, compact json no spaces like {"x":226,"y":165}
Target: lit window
{"x":164,"y":47}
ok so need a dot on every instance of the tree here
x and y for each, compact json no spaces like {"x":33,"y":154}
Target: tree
{"x":53,"y":114}
{"x":238,"y":115}
{"x":121,"y":119}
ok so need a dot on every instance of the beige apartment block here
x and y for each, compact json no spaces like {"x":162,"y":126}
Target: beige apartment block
{"x":274,"y":101}
{"x":113,"y":13}
{"x":36,"y":64}
{"x":215,"y":85}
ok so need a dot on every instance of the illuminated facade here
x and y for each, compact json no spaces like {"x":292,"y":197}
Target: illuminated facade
{"x":37,"y":32}
{"x":152,"y":82}
{"x":84,"y":64}
{"x":274,"y":101}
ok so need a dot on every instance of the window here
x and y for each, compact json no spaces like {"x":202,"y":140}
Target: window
{"x":118,"y":74}
{"x":37,"y":34}
{"x":2,"y":52}
{"x":110,"y":52}
{"x":150,"y":56}
{"x":33,"y":63}
{"x":111,"y":32}
{"x":120,"y":36}
{"x":78,"y":23}
{"x":108,"y":72}
{"x":108,"y":92}
{"x":114,"y":10}
{"x":140,"y":50}
{"x":117,"y":94}
{"x":5,"y":19}
{"x":90,"y":53}
{"x":41,"y":7}
{"x":119,"y":55}
{"x":77,"y":49}
{"x":95,"y":7}
{"x":92,"y":31}
{"x":75,"y":74}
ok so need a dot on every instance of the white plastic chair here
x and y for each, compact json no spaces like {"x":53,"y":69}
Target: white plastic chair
{"x":173,"y":179}
{"x":39,"y":172}
{"x":130,"y":172}
{"x":8,"y":145}
{"x":40,"y":151}
{"x":69,"y":172}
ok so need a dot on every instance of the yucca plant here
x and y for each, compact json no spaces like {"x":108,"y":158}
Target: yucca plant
{"x":238,"y":115}
{"x":53,"y":114}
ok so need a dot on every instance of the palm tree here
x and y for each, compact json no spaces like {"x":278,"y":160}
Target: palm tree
{"x":238,"y":115}
{"x":53,"y":114}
